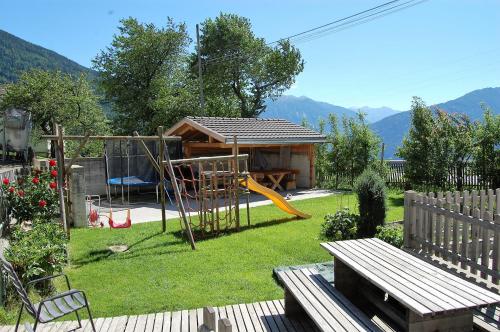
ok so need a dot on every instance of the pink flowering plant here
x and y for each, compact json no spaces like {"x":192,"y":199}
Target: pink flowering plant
{"x":33,"y":197}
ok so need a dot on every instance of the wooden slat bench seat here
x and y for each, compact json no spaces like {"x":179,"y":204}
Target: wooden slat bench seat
{"x":307,"y":291}
{"x":488,"y":318}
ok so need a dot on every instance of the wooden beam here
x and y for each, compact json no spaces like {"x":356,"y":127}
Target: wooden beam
{"x":205,"y":159}
{"x":178,"y":198}
{"x":76,"y":154}
{"x":130,"y":138}
{"x":60,"y":177}
{"x":236,"y":171}
{"x":148,"y":153}
{"x":162,"y":180}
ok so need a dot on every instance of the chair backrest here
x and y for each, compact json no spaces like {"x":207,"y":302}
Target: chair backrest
{"x":18,"y":285}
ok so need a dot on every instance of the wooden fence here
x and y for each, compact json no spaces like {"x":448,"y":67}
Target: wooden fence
{"x":460,"y":227}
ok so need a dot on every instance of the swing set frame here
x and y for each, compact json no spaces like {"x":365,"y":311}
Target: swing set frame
{"x":65,"y":169}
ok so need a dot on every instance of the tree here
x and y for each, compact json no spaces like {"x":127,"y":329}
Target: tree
{"x":487,"y":149}
{"x":349,"y":150}
{"x":438,"y":145}
{"x":53,"y":97}
{"x":418,"y":145}
{"x":240,"y":70}
{"x":144,"y":75}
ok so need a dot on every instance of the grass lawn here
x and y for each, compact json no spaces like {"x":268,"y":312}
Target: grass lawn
{"x":160,"y":272}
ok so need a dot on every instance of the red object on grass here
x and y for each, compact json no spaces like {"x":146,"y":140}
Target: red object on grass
{"x":12,"y":189}
{"x":42,"y":203}
{"x":53,"y":185}
{"x":20,"y":193}
{"x":36,"y":180}
{"x":52,"y":163}
{"x":113,"y":224}
{"x":5,"y":181}
{"x":53,"y":173}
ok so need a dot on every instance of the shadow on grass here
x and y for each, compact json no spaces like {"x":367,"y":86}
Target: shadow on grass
{"x":200,"y":235}
{"x":133,"y":251}
{"x":396,"y":201}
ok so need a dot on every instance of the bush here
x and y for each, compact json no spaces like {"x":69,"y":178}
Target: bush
{"x":390,"y":234}
{"x":34,"y":196}
{"x":340,"y":226}
{"x":37,"y":252}
{"x":371,"y":191}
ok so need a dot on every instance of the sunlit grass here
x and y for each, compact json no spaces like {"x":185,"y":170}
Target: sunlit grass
{"x":160,"y":272}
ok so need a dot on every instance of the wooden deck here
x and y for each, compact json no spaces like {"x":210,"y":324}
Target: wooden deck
{"x":259,"y":316}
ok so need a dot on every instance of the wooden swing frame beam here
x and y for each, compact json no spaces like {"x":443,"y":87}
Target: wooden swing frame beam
{"x":58,"y":139}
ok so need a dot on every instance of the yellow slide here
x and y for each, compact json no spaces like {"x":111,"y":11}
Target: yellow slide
{"x":277,"y":199}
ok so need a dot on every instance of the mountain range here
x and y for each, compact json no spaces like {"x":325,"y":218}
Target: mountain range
{"x":18,"y":55}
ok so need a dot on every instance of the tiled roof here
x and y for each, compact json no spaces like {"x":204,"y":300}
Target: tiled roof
{"x":256,"y":130}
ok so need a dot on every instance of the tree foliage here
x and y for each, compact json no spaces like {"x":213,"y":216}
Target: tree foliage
{"x":240,"y":70}
{"x":370,"y":189}
{"x":53,"y":97}
{"x":486,"y":154}
{"x":350,"y":149}
{"x":440,"y":145}
{"x":143,"y":74}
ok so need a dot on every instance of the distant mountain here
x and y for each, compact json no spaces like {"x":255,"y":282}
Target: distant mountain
{"x":374,"y":114}
{"x":18,"y":55}
{"x":393,"y":128}
{"x":296,"y":109}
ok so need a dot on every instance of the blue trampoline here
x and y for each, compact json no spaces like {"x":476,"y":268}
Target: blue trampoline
{"x":131,"y":181}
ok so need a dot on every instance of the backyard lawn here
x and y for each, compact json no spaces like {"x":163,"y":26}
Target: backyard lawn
{"x":161,"y":273}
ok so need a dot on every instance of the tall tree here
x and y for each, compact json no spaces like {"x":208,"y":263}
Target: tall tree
{"x":144,"y":75}
{"x":487,"y":149}
{"x":240,"y":70}
{"x":53,"y":97}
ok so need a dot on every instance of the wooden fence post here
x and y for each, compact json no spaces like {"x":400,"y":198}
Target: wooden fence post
{"x":408,"y":215}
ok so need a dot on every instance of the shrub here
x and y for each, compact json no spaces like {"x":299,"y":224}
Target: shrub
{"x":33,"y":196}
{"x":390,"y":234}
{"x":339,"y":226}
{"x":37,"y":252}
{"x":370,"y":188}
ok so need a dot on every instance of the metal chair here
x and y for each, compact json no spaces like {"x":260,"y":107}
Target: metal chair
{"x":51,"y":308}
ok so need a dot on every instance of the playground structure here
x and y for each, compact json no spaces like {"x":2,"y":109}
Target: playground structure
{"x":207,"y":187}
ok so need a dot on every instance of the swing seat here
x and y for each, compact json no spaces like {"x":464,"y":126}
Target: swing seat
{"x":113,"y":224}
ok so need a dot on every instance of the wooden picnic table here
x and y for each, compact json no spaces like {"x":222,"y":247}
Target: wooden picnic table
{"x":432,"y":299}
{"x":274,"y":175}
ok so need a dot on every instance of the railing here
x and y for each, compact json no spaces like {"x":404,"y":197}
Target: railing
{"x":466,"y":177}
{"x":460,"y":227}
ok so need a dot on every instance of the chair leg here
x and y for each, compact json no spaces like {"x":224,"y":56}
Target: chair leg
{"x":78,"y":319}
{"x":19,"y":317}
{"x":90,"y":318}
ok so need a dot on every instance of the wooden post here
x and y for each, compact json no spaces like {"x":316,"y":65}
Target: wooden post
{"x":162,"y":180}
{"x":178,"y":198}
{"x":224,"y":325}
{"x":408,"y":218}
{"x":236,"y":182}
{"x":60,"y":177}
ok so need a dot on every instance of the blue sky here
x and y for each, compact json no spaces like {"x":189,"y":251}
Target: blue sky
{"x":438,"y":50}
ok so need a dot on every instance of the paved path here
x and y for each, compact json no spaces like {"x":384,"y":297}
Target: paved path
{"x":148,"y":212}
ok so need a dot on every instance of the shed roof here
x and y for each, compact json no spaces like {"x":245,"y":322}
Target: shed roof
{"x":250,"y":130}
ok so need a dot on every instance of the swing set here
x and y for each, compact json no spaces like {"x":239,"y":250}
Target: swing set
{"x":210,"y":187}
{"x":58,"y":140}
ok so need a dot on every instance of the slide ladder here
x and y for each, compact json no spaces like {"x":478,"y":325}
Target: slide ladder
{"x":276,"y":198}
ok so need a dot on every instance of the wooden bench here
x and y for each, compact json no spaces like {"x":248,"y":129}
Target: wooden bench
{"x":487,"y":319}
{"x":307,"y":291}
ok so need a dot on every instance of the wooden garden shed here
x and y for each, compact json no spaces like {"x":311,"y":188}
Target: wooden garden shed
{"x":281,"y":153}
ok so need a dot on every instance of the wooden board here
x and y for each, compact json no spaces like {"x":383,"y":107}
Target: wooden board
{"x":419,"y":286}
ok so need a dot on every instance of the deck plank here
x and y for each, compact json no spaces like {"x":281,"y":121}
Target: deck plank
{"x":176,"y":322}
{"x":140,"y":325}
{"x":132,"y":320}
{"x":158,"y":325}
{"x":167,"y":321}
{"x":193,"y":321}
{"x":118,"y":324}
